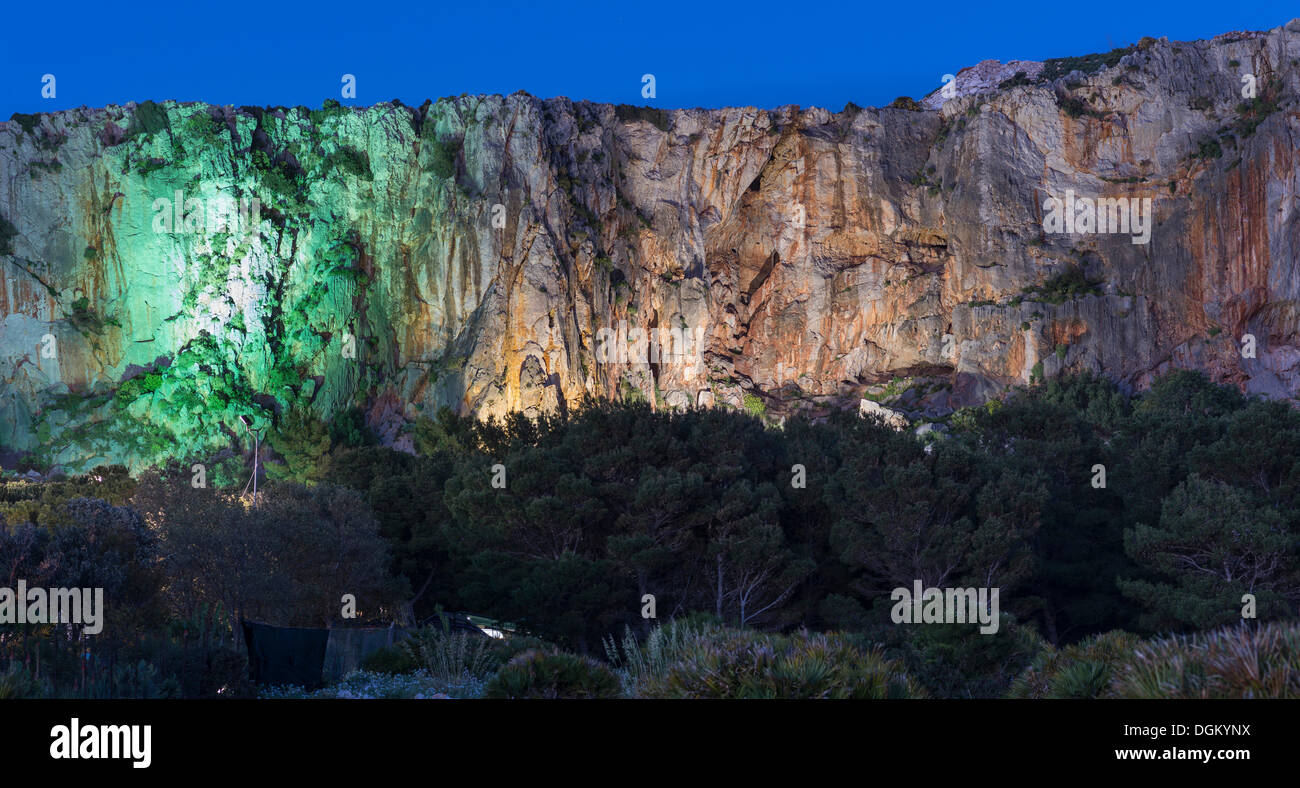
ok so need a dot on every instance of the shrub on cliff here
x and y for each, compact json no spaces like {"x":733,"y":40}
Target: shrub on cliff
{"x":656,"y":117}
{"x":148,"y":118}
{"x":442,"y":157}
{"x":7,"y":234}
{"x":907,"y":103}
{"x":351,"y":161}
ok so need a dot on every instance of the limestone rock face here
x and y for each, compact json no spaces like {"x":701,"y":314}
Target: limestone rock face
{"x":494,"y":253}
{"x":875,"y":410}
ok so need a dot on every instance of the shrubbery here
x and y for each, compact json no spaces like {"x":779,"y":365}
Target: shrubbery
{"x":450,"y":654}
{"x":907,"y":103}
{"x":547,"y":674}
{"x":610,"y":502}
{"x":1234,"y":662}
{"x":727,"y":663}
{"x":1082,"y":670}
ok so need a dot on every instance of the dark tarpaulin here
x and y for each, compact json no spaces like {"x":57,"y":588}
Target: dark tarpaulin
{"x":310,"y":658}
{"x":285,"y":655}
{"x":348,"y":646}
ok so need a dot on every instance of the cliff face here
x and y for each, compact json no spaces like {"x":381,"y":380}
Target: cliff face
{"x":478,"y":251}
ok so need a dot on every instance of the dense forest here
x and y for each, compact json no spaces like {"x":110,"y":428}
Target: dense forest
{"x":1107,"y":520}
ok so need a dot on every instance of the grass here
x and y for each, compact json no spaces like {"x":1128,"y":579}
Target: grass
{"x":637,"y":662}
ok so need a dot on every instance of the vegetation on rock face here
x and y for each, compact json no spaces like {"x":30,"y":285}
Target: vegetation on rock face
{"x":148,"y":118}
{"x":907,"y":103}
{"x":659,"y":118}
{"x":1208,"y":148}
{"x":1076,"y":107}
{"x":25,"y":121}
{"x":351,"y":161}
{"x":7,"y":234}
{"x":443,"y":155}
{"x":1020,"y":78}
{"x":1071,"y":283}
{"x":1057,"y":67}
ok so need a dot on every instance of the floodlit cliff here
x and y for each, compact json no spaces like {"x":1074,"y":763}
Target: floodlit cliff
{"x":168,"y":271}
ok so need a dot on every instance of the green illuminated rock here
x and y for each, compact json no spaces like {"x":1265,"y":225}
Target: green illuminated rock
{"x":170,"y":272}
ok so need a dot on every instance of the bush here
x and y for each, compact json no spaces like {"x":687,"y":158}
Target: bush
{"x":448,"y":655}
{"x":351,"y":161}
{"x":907,"y":103}
{"x":1234,"y":662}
{"x":502,"y":650}
{"x":652,"y":658}
{"x":348,"y":429}
{"x":390,"y":660}
{"x":7,"y":234}
{"x":656,"y":117}
{"x":742,"y":664}
{"x":17,"y":682}
{"x":1076,"y":107}
{"x":1071,"y":283}
{"x":1057,"y":67}
{"x":1083,"y":670}
{"x":148,"y":118}
{"x":1020,"y":78}
{"x":957,"y":661}
{"x":1208,"y":148}
{"x":303,"y":440}
{"x":541,"y":674}
{"x":444,"y":153}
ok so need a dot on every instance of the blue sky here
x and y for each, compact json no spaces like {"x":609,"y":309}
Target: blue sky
{"x":702,"y":54}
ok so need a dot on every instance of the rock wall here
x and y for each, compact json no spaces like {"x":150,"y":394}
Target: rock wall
{"x":479,"y":252}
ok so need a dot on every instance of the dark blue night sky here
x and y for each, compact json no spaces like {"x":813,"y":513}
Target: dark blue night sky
{"x":702,"y":54}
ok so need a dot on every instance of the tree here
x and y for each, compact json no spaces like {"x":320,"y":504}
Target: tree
{"x":1213,"y":544}
{"x":287,"y":562}
{"x":303,"y":440}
